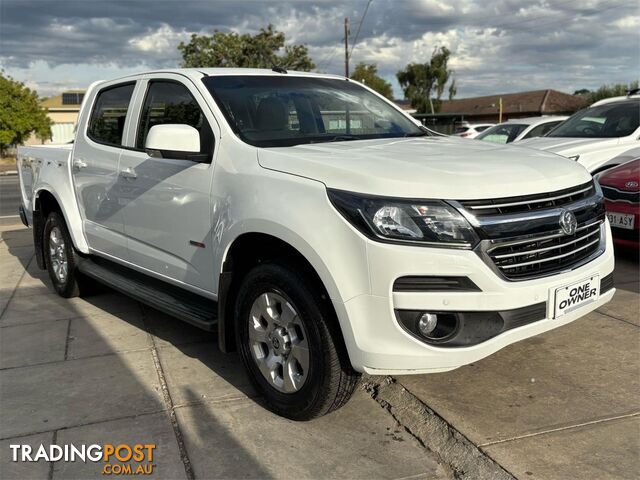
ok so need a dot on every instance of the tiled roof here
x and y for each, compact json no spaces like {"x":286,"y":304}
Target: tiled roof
{"x":536,"y":101}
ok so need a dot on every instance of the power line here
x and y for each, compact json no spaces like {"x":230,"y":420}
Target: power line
{"x":364,"y":14}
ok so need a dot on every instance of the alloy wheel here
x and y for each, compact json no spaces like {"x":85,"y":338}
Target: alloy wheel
{"x":278,"y":342}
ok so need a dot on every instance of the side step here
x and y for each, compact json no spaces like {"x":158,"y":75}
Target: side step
{"x":160,"y":295}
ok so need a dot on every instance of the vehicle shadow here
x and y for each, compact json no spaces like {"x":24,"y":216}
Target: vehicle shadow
{"x":627,"y":272}
{"x":73,"y":370}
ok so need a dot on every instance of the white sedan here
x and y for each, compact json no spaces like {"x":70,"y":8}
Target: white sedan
{"x":471,"y":131}
{"x":520,"y":128}
{"x":597,"y":134}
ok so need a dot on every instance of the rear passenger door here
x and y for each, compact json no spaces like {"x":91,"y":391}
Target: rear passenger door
{"x":167,"y":207}
{"x":96,"y":154}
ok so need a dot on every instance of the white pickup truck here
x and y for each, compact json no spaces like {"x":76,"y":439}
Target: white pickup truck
{"x":320,"y":230}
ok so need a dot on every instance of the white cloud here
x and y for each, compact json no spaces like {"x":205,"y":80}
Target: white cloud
{"x":160,"y":41}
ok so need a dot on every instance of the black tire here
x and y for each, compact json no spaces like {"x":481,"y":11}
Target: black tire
{"x":330,"y":380}
{"x":70,"y":286}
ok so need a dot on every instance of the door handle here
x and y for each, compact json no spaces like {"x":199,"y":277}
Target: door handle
{"x":128,"y":173}
{"x":79,"y":164}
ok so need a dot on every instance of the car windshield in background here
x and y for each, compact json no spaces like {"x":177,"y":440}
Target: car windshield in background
{"x":505,"y":133}
{"x":275,"y":111}
{"x":605,"y":121}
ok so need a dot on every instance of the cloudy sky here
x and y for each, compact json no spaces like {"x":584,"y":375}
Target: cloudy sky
{"x":497,"y":46}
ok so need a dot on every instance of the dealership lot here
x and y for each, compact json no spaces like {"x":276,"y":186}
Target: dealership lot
{"x":104,"y":369}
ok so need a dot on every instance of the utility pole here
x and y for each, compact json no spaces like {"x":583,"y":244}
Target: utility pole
{"x":346,"y":47}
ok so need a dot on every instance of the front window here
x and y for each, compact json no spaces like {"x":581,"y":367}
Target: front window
{"x":270,"y":111}
{"x":605,"y":121}
{"x":504,"y":133}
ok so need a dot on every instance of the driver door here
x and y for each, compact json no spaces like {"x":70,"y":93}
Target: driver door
{"x":167,"y":205}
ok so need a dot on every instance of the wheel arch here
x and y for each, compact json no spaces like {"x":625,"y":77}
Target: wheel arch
{"x":250,"y":249}
{"x":44,"y":203}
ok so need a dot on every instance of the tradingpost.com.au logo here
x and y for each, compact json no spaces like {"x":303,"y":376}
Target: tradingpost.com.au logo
{"x":121,"y":459}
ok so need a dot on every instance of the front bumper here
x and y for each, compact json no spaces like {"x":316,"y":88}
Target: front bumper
{"x":384,"y":347}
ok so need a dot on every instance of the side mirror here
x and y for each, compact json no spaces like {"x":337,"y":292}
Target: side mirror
{"x":174,"y":138}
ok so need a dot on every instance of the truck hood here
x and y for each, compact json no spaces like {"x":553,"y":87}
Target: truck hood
{"x":427,"y":167}
{"x":568,"y":146}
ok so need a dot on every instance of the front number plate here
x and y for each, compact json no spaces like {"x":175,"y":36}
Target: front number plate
{"x":577,"y":295}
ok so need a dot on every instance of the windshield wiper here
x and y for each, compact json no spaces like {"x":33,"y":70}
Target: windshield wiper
{"x":417,"y":134}
{"x":337,"y":138}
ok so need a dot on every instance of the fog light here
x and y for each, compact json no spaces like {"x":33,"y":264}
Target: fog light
{"x":427,"y":323}
{"x":430,"y":327}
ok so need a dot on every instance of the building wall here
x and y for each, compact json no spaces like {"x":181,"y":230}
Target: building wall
{"x":64,"y":123}
{"x":63,"y":117}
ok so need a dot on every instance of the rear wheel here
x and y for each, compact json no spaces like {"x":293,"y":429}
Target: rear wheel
{"x":290,"y":343}
{"x":60,"y":257}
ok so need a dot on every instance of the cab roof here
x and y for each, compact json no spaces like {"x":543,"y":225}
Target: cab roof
{"x":198,"y":73}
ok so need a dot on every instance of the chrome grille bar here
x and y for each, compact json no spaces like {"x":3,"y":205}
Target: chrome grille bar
{"x":556,"y":257}
{"x":538,"y":239}
{"x":545,"y":249}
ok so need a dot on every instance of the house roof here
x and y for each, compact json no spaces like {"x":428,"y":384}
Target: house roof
{"x":536,"y":101}
{"x":55,"y":103}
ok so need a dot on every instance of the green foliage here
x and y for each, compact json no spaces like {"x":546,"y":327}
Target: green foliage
{"x":420,"y":80}
{"x":608,"y":91}
{"x":367,"y":73}
{"x":20,"y":114}
{"x":262,"y":50}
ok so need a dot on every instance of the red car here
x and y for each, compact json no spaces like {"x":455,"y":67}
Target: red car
{"x":621,"y":188}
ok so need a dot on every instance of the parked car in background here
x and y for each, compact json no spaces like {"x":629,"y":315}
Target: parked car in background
{"x":520,"y":128}
{"x":621,"y":189}
{"x":597,"y":134}
{"x":624,"y":157}
{"x":466,"y":130}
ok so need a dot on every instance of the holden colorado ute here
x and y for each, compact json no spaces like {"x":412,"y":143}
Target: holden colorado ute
{"x":316,"y":227}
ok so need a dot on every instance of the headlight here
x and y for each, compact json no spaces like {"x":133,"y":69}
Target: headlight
{"x":429,"y":222}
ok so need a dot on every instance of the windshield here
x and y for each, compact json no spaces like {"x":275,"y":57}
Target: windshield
{"x":505,"y":133}
{"x":275,"y":111}
{"x":605,"y":121}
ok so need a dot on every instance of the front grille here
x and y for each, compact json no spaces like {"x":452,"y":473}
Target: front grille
{"x":615,"y":195}
{"x":528,"y":203}
{"x":545,"y":254}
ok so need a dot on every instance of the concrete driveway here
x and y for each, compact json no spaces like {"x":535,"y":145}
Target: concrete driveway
{"x":104,"y":369}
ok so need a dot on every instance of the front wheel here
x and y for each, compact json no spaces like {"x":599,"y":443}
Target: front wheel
{"x":290,"y":343}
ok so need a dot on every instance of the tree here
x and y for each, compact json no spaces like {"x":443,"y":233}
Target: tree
{"x":420,"y":80}
{"x":367,"y":73}
{"x":20,"y":114}
{"x":607,"y":91}
{"x":262,"y":50}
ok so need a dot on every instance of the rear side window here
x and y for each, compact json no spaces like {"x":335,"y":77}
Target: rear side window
{"x":109,"y":114}
{"x":171,"y":102}
{"x":542,"y":130}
